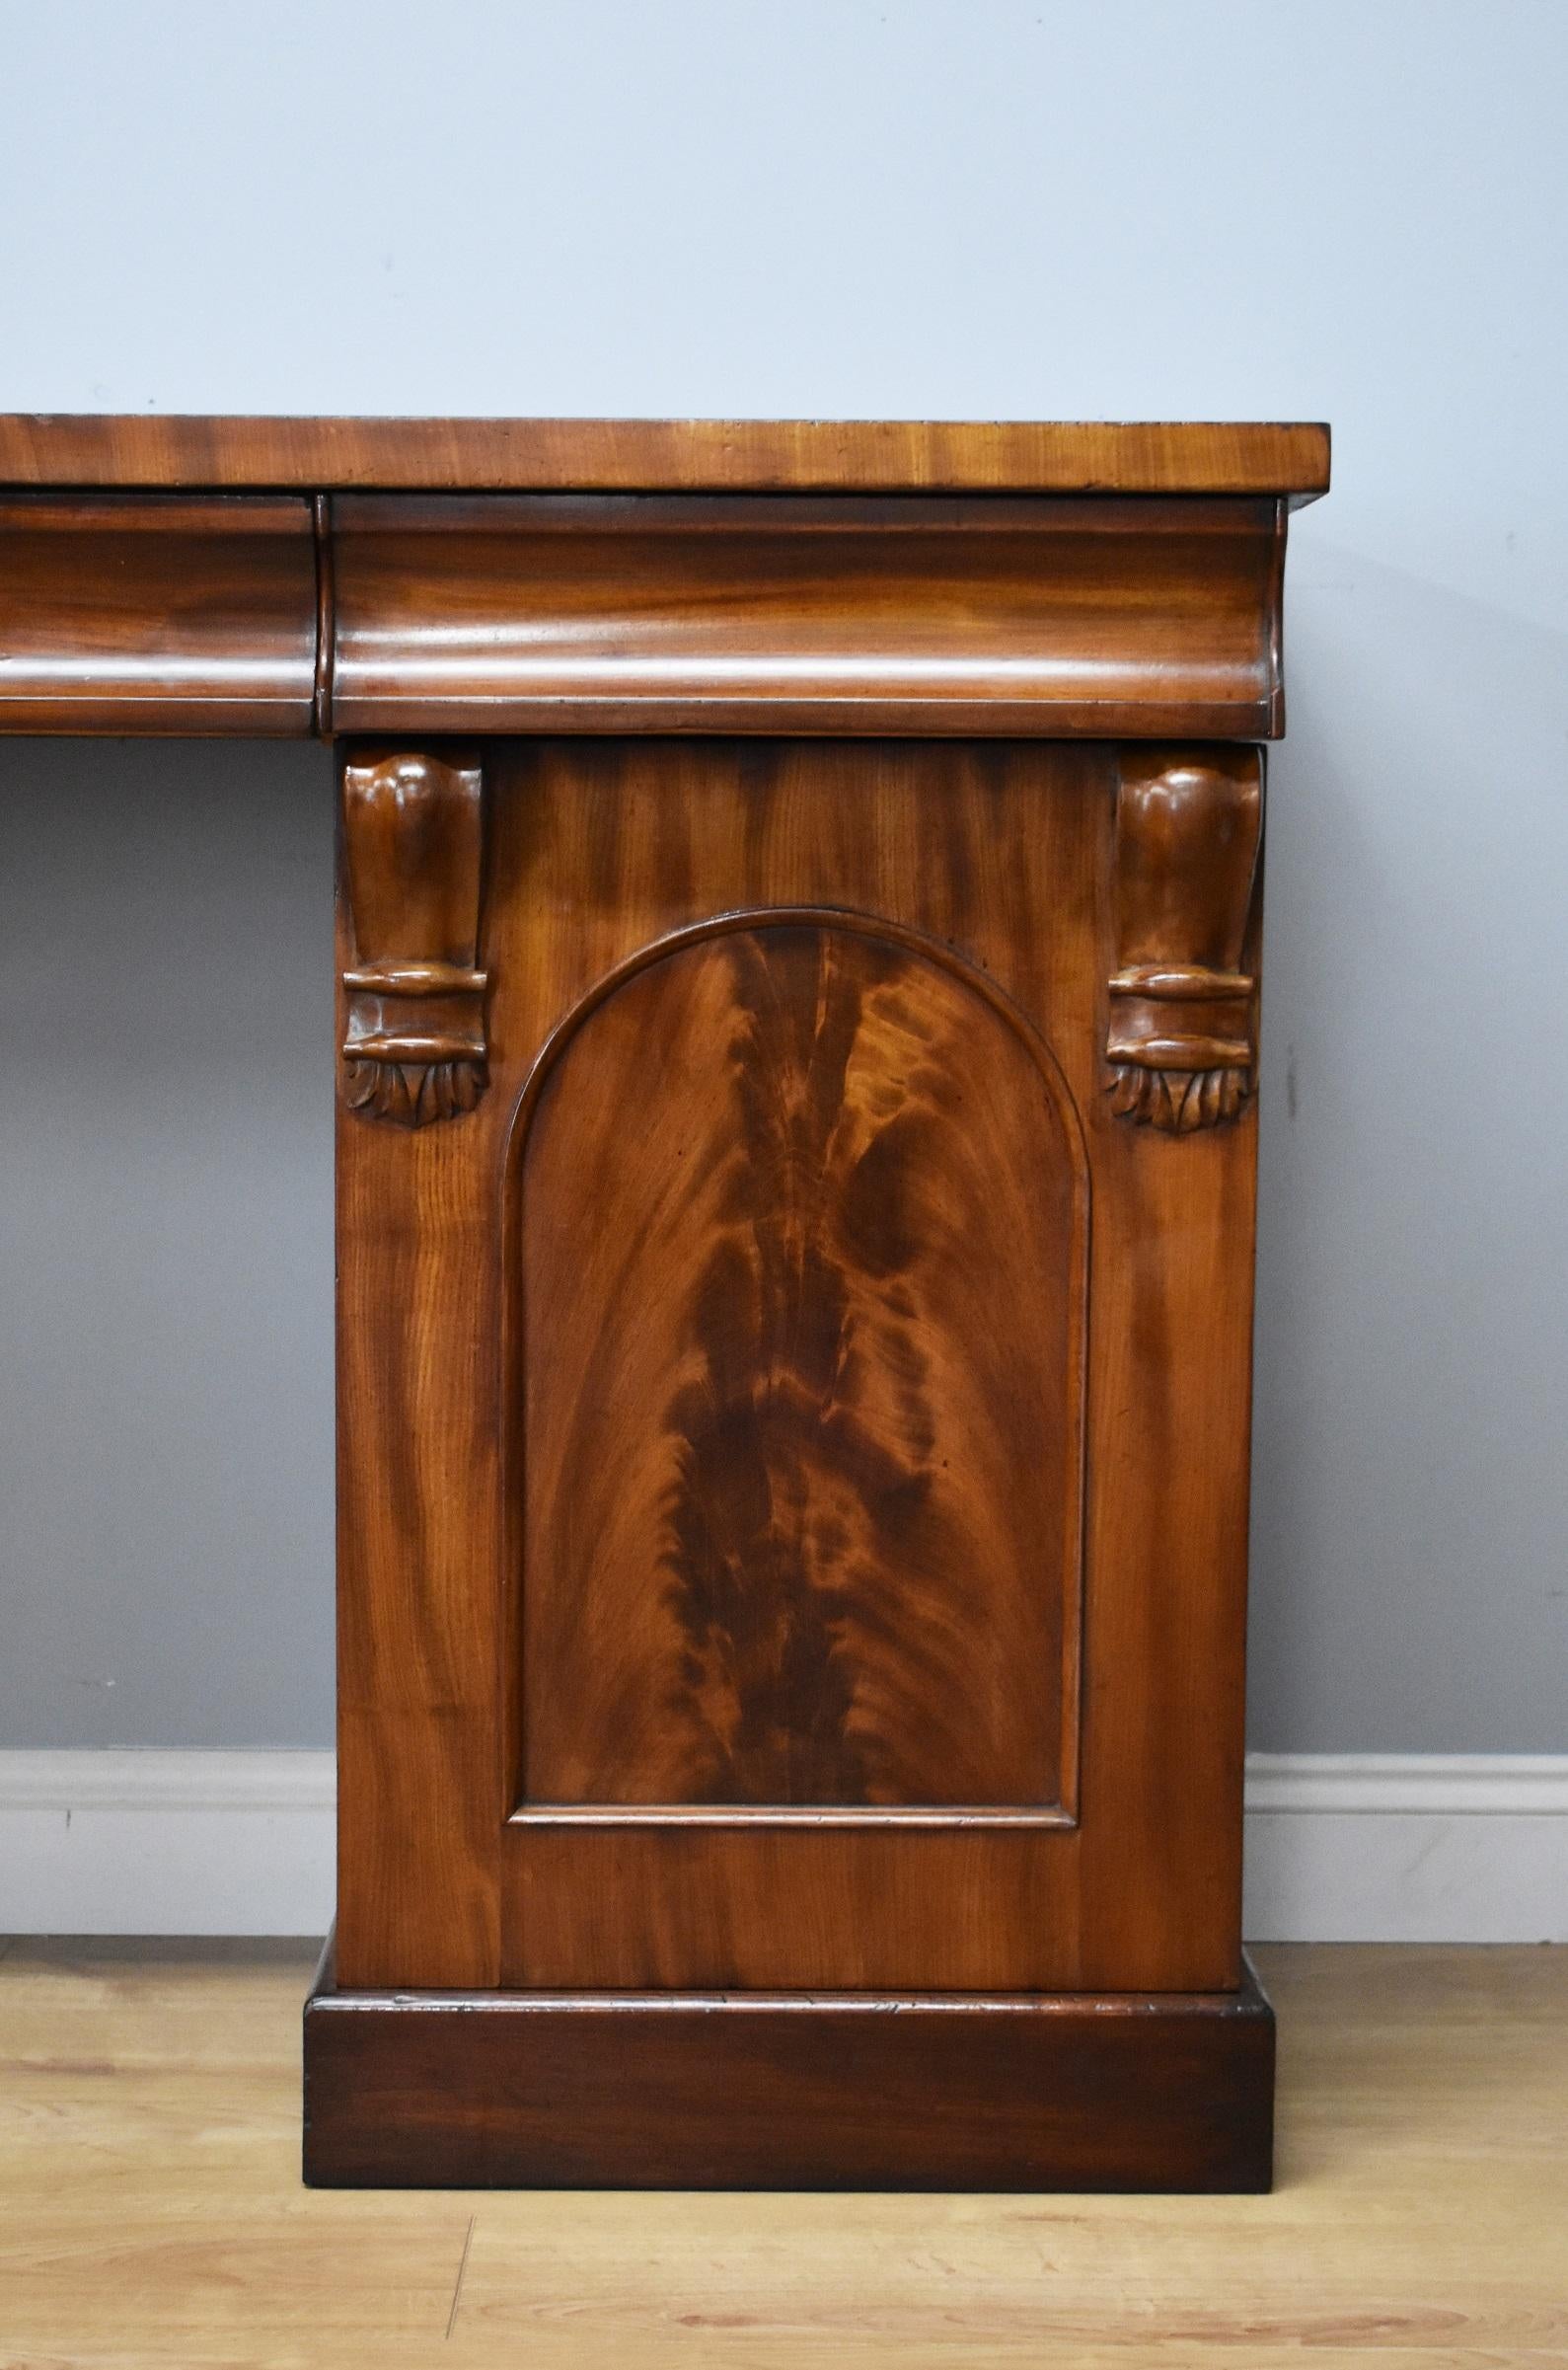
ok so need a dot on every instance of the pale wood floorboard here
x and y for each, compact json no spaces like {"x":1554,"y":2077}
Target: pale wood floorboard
{"x":150,"y":2212}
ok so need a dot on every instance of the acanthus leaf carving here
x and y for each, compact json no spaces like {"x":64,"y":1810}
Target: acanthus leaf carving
{"x":1182,"y":1041}
{"x":414,"y":1047}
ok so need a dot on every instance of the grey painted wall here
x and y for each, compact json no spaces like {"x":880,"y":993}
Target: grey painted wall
{"x":166,"y":1244}
{"x":1096,"y":210}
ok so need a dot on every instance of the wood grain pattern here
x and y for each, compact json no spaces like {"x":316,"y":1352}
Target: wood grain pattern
{"x":495,"y":2089}
{"x":713,"y":1409}
{"x":154,"y":614}
{"x":418,"y":1606}
{"x":640,"y":455}
{"x":1003,"y":852}
{"x":152,"y":2214}
{"x":802,"y":1356}
{"x":1065,"y":616}
{"x":1183,"y":1021}
{"x":734,"y":613}
{"x":414,"y":843}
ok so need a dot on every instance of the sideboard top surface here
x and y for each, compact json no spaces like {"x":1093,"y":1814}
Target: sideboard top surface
{"x":134,"y":449}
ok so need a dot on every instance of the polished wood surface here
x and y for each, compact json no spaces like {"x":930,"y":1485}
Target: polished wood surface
{"x":1183,"y":1025}
{"x":795,"y":1187}
{"x":598,"y":851}
{"x":802,"y":1502}
{"x":1054,"y":615}
{"x":151,"y":2212}
{"x":157,"y":614}
{"x":413,"y":842}
{"x":744,"y":613}
{"x":646,"y":455}
{"x":838,"y":2090}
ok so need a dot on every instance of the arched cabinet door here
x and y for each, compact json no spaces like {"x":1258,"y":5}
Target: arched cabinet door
{"x":796,"y":1229}
{"x":795,"y":1446}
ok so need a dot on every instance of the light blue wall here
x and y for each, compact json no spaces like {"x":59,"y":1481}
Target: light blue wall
{"x":822,"y":206}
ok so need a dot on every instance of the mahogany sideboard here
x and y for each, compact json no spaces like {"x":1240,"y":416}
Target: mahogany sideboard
{"x":798,"y":979}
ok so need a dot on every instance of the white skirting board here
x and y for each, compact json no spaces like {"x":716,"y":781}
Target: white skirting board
{"x":1406,"y":1846}
{"x":1340,"y":1847}
{"x":167,"y":1843}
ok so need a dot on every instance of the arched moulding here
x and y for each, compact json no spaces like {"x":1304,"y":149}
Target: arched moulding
{"x":795,"y":1381}
{"x":413,"y":1045}
{"x":1182,"y":1041}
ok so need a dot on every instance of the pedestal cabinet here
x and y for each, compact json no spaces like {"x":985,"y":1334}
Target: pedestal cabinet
{"x":797,"y":980}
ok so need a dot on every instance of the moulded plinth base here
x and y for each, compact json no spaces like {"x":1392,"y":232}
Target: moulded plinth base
{"x":788,"y":2090}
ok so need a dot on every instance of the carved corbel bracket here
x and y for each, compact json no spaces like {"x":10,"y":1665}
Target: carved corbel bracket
{"x":415,"y":1046}
{"x":1182,"y":1018}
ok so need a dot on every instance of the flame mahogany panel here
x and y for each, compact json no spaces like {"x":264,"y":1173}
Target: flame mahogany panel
{"x":1004,"y":854}
{"x":801,"y":1357}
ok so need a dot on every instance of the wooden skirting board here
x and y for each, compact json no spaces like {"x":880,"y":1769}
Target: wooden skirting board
{"x":1121,"y":2091}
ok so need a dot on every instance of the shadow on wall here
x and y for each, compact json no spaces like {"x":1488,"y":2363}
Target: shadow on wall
{"x":1412,"y":1338}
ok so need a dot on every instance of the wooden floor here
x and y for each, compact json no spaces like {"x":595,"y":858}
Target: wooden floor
{"x":150,"y":2210}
